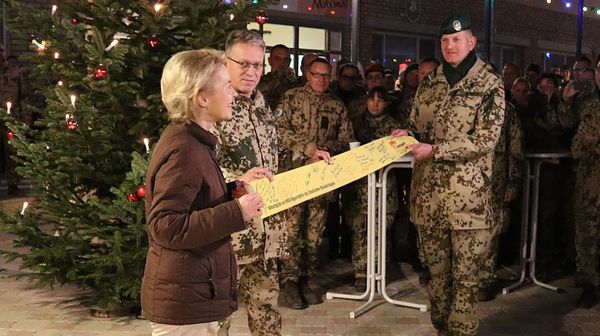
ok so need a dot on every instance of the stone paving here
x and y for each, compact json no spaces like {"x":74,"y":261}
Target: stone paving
{"x":25,"y":310}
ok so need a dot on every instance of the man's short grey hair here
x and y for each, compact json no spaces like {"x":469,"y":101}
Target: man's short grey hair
{"x":243,"y":36}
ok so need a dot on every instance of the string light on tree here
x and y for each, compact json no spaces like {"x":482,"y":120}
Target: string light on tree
{"x":147,"y":144}
{"x":60,"y":83}
{"x":112,"y":44}
{"x":157,"y":7}
{"x":56,"y":55}
{"x":54,"y":8}
{"x":74,"y":20}
{"x":24,"y":207}
{"x":73,"y":100}
{"x":40,"y":46}
{"x":8,"y":107}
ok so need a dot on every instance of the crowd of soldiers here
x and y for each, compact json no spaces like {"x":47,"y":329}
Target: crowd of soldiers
{"x":476,"y":149}
{"x":474,"y":126}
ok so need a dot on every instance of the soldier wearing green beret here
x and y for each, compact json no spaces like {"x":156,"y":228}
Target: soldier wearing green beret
{"x":457,"y":116}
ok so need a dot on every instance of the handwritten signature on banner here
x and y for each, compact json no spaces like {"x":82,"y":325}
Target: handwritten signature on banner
{"x":301,"y":184}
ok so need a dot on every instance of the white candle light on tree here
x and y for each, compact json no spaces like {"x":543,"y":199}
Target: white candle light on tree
{"x":147,"y":144}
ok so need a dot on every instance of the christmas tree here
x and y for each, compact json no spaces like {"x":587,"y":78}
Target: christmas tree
{"x":100,"y":63}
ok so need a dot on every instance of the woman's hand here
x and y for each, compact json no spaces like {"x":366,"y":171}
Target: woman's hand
{"x":251,"y":205}
{"x":256,"y":173}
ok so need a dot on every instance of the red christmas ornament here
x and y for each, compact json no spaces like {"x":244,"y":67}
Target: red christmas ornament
{"x":132,"y":197}
{"x":153,"y":41}
{"x":261,"y":17}
{"x":72,"y":124}
{"x":10,"y":135}
{"x":309,"y":8}
{"x":141,"y":191}
{"x":101,"y":71}
{"x":74,"y":20}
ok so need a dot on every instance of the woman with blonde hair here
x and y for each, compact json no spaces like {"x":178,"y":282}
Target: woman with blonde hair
{"x":189,"y":281}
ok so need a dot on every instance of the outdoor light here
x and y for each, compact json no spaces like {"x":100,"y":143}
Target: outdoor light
{"x":568,"y":4}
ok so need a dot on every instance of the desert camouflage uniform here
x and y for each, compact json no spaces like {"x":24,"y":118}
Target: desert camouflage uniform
{"x":506,"y":178}
{"x":309,"y":117}
{"x":451,"y":193}
{"x":366,"y":130}
{"x":250,"y":140}
{"x":273,"y":85}
{"x":586,"y":150}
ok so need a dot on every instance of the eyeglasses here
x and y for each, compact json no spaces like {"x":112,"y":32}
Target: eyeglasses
{"x":321,"y":75}
{"x":246,"y":65}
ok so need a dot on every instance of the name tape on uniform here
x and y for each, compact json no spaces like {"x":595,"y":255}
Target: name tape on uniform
{"x":301,"y":184}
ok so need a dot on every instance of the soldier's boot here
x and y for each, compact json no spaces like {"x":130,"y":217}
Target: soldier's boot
{"x":424,"y":276}
{"x":588,"y":297}
{"x":487,"y":292}
{"x":360,"y":284}
{"x":289,"y":296}
{"x":311,"y":296}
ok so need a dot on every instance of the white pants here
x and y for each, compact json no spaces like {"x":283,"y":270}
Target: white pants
{"x":200,"y":329}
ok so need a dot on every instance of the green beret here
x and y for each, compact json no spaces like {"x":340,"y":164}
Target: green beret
{"x":455,"y":23}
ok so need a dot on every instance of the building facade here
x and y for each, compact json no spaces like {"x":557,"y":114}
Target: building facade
{"x":403,"y":31}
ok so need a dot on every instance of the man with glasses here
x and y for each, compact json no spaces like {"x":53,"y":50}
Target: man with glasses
{"x":314,"y":126}
{"x":281,"y":78}
{"x":250,"y":140}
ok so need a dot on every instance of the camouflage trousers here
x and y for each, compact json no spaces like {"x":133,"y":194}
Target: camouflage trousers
{"x":306,"y":222}
{"x":359,"y":241}
{"x":487,"y":269}
{"x":453,"y":258}
{"x":587,"y":228}
{"x":258,"y":284}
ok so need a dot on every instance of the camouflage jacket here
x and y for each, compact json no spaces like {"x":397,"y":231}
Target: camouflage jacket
{"x":250,"y":140}
{"x":366,"y":130}
{"x":463,"y":122}
{"x":508,"y":157}
{"x":273,"y":86}
{"x":586,"y":142}
{"x":570,"y":112}
{"x":312,"y":117}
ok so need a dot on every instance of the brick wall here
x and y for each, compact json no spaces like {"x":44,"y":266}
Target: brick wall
{"x":532,"y":31}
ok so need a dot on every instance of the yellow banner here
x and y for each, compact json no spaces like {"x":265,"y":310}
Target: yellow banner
{"x":298,"y":185}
